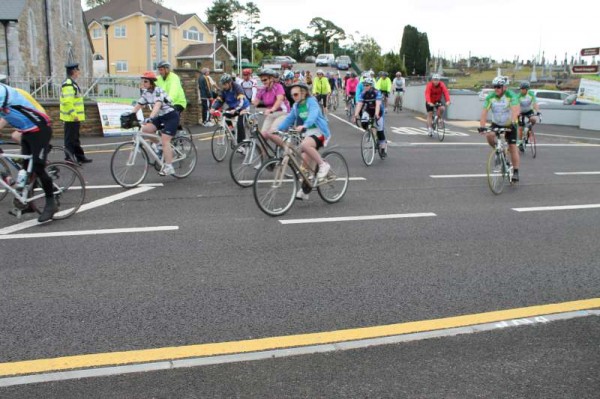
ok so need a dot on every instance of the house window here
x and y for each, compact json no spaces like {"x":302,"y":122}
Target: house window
{"x":120,"y":31}
{"x":121,"y":66}
{"x":32,"y":33}
{"x":192,"y":34}
{"x":97,"y":33}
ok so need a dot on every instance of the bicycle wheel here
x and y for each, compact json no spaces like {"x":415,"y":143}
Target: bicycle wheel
{"x":219,"y":144}
{"x":441,"y":129}
{"x":335,"y":184}
{"x":184,"y":156}
{"x":69,"y":190}
{"x":367,"y":147}
{"x":496,"y":173}
{"x":397,"y":103}
{"x":434,"y":127}
{"x":273,"y":192}
{"x":350,"y":110}
{"x":5,"y":172}
{"x":183,"y":131}
{"x":335,"y":102}
{"x":58,"y":153}
{"x":531,"y":142}
{"x":127,"y":166}
{"x":244,"y":161}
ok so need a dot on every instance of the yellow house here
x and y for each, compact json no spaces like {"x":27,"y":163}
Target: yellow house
{"x":133,"y":46}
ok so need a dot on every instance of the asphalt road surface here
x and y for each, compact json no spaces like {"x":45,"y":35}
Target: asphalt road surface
{"x":479,"y":295}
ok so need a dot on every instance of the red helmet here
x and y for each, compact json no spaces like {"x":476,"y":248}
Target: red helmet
{"x":247,"y":71}
{"x":149,"y":75}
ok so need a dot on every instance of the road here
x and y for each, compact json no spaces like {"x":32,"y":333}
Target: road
{"x":478,"y":295}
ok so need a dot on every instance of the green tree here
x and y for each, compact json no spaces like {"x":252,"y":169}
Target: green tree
{"x":414,"y":49}
{"x":327,"y":34}
{"x":221,"y":15}
{"x":252,"y":14}
{"x":368,"y":53}
{"x":297,"y":44}
{"x":269,"y":41}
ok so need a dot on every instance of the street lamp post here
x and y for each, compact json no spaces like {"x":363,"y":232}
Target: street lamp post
{"x":106,"y":20}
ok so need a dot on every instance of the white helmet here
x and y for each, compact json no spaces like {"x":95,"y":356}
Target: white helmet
{"x":435,"y":76}
{"x":500,"y":81}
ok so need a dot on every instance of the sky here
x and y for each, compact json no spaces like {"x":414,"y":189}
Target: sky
{"x":503,"y":29}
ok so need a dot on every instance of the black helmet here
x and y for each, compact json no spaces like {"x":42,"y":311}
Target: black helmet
{"x":164,"y":64}
{"x":524,"y":85}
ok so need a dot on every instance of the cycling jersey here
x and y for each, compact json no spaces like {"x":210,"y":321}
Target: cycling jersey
{"x":249,"y":87}
{"x":172,"y":86}
{"x":526,"y":101}
{"x":234,"y":98}
{"x":351,"y":85}
{"x":501,"y":107}
{"x":151,"y":97}
{"x":369,"y":99}
{"x":20,"y":113}
{"x":321,"y":86}
{"x":384,"y":85}
{"x":399,"y":84}
{"x":307,"y":113}
{"x":269,"y":97}
{"x":433,"y":93}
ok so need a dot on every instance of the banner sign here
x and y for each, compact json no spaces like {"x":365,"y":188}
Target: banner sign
{"x":589,"y":91}
{"x":110,"y":110}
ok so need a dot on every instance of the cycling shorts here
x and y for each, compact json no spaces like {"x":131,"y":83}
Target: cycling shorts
{"x":37,"y":144}
{"x":510,"y":137}
{"x":170,"y":121}
{"x":322,"y":98}
{"x":430,"y":108}
{"x":524,"y":115}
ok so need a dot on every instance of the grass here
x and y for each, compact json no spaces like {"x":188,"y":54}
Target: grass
{"x":476,"y":80}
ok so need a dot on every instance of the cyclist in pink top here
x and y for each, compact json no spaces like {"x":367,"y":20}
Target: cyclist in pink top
{"x":351,"y":85}
{"x":272,"y":97}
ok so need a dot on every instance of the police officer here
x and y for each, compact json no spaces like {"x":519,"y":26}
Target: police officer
{"x":72,"y":112}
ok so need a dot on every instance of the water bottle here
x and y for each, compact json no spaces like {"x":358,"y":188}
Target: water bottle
{"x":21,"y":178}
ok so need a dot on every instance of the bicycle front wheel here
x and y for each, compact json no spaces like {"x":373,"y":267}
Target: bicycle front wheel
{"x":127,"y":166}
{"x":243,"y":163}
{"x":69,"y":190}
{"x":367,"y":147}
{"x":441,"y":129}
{"x":531,"y":143}
{"x":184,"y":156}
{"x":496,"y":173}
{"x":275,"y":193}
{"x":219,"y":144}
{"x":335,"y":184}
{"x":58,"y":153}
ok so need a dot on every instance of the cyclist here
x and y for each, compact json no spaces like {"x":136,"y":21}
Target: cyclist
{"x":288,"y":80}
{"x":505,"y":113}
{"x":233,"y":95}
{"x":321,"y":89}
{"x":434,"y":91}
{"x":171,"y":84}
{"x":161,"y":115}
{"x":34,"y":131}
{"x":306,"y":115}
{"x":248,"y":84}
{"x":528,"y":103}
{"x":272,"y":96}
{"x":384,"y":85}
{"x":371,"y":99}
{"x":351,"y":85}
{"x":399,"y":85}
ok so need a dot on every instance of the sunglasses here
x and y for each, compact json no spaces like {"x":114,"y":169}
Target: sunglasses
{"x":264,"y":80}
{"x":296,"y":94}
{"x":498,"y":86}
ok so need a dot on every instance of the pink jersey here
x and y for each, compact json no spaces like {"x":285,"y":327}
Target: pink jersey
{"x":351,"y":85}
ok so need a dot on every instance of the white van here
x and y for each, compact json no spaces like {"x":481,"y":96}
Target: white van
{"x":325,"y":60}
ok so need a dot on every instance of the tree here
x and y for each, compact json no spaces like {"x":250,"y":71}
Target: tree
{"x":252,"y":13}
{"x":327,"y":33}
{"x":221,"y":15}
{"x":368,"y":52}
{"x":269,"y":40}
{"x":415,"y":50}
{"x":297,"y":44}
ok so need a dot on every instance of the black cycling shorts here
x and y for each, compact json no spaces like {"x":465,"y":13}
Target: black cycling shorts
{"x":510,"y":137}
{"x":37,"y":144}
{"x":524,"y":115}
{"x":322,"y":98}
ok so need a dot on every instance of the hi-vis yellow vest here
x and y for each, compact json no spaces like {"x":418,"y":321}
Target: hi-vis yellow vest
{"x":71,"y":102}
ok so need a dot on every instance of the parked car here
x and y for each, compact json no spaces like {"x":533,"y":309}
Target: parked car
{"x":550,"y":96}
{"x":310,"y":59}
{"x":325,"y":60}
{"x":285,"y":61}
{"x":343,"y":62}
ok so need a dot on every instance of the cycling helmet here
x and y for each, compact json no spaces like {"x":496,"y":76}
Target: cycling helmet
{"x":365,"y":74}
{"x":348,"y":73}
{"x":164,"y":64}
{"x":288,"y":75}
{"x":524,"y":85}
{"x":267,"y":72}
{"x":301,"y":85}
{"x":499,"y":81}
{"x":319,"y":71}
{"x":149,"y":75}
{"x":368,"y":81}
{"x":225,"y":78}
{"x":435,"y":76}
{"x":353,"y":74}
{"x":398,"y":73}
{"x":247,"y":71}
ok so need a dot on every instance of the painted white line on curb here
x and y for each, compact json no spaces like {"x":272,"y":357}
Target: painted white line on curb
{"x":556,"y":208}
{"x":357,"y":218}
{"x":568,"y":137}
{"x":89,"y":232}
{"x":84,"y":207}
{"x":575,"y":173}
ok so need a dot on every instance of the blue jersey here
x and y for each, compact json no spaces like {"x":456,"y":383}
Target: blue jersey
{"x":369,"y":99}
{"x":235,"y":97}
{"x":20,"y":113}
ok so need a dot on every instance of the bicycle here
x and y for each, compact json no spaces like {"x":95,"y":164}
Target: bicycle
{"x":130,"y":161}
{"x":333,"y":101}
{"x":225,"y":135}
{"x":438,"y":125}
{"x":499,"y":169}
{"x":369,"y":144}
{"x":30,"y":197}
{"x":529,"y":139}
{"x":274,"y":193}
{"x":398,"y":100}
{"x":350,"y":106}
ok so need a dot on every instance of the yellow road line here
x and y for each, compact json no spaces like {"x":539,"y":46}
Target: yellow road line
{"x":262,"y":344}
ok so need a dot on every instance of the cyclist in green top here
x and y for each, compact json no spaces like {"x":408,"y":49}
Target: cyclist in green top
{"x":505,"y":113}
{"x":528,"y":104}
{"x":170,"y":83}
{"x":384,"y":85}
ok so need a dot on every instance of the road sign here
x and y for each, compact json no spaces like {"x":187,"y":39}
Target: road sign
{"x":584,"y":69}
{"x":590,"y":51}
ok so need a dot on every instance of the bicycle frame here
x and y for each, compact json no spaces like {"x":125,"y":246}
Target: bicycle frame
{"x":139,"y":140}
{"x":292,"y":155}
{"x":23,"y":197}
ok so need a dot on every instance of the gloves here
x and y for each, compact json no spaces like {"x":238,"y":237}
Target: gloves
{"x":481,"y":129}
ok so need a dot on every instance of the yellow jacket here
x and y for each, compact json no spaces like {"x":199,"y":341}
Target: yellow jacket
{"x":321,"y":86}
{"x":71,"y":102}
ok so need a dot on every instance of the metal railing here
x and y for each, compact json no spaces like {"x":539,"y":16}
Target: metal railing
{"x":46,"y":88}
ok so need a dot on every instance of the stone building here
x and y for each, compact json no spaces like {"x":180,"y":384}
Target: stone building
{"x":38,"y":37}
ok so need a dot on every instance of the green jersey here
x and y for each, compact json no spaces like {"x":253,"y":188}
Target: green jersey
{"x":173,"y":88}
{"x":501,"y":107}
{"x":526,"y":101}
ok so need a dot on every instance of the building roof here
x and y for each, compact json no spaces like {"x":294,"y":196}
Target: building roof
{"x":201,"y":50}
{"x":11,"y":10}
{"x":121,"y":9}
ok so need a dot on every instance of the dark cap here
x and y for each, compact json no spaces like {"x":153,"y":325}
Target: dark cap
{"x":72,"y":65}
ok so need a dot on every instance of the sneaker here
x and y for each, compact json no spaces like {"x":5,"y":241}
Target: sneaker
{"x":323,"y":170}
{"x":84,"y":160}
{"x":167,"y":170}
{"x":242,"y":150}
{"x":430,"y":132}
{"x":208,"y":124}
{"x":515,"y":177}
{"x":301,"y":195}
